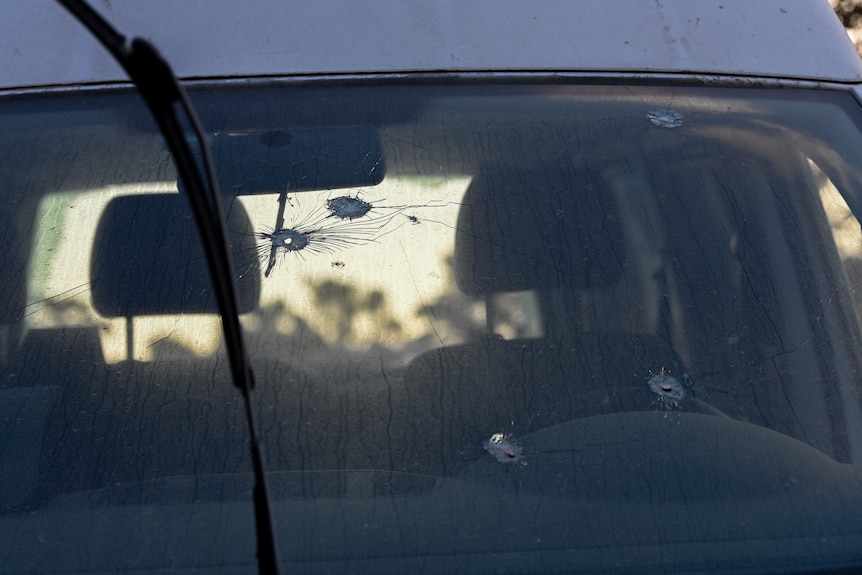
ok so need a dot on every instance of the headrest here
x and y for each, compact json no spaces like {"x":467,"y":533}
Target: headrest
{"x":537,"y":230}
{"x":147,"y":259}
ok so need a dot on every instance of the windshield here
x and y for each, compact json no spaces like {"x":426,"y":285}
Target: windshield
{"x":497,"y":328}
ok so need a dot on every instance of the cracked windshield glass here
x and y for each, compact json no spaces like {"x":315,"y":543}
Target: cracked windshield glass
{"x":506,"y":328}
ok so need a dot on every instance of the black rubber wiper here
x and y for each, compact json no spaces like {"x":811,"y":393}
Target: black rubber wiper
{"x":168,"y":101}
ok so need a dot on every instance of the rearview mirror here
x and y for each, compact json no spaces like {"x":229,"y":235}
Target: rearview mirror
{"x":257,"y":162}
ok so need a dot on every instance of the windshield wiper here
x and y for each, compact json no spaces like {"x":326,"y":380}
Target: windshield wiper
{"x":165,"y":97}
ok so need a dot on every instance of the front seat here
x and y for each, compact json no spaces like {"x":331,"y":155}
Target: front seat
{"x":554,"y":232}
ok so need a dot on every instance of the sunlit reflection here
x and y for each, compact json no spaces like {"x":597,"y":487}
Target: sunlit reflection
{"x":59,"y":282}
{"x":384,"y":290}
{"x":377,"y":292}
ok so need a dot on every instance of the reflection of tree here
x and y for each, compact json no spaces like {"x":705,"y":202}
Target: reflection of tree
{"x":279,"y":333}
{"x":69,"y":311}
{"x":449,"y":314}
{"x":463,"y":318}
{"x":343,"y":307}
{"x":348,"y":319}
{"x":850,"y":13}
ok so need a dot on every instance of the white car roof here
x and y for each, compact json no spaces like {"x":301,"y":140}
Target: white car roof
{"x":41,"y":44}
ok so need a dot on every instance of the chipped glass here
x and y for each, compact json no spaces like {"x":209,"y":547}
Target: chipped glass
{"x":347,"y":208}
{"x":669,"y":390}
{"x":665,"y":118}
{"x":504,"y":449}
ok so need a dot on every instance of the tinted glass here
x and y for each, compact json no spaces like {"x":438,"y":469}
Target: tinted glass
{"x":494,"y":329}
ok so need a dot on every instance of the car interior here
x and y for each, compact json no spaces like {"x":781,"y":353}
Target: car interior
{"x":629,"y":275}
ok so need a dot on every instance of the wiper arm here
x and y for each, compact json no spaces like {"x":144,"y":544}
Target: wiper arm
{"x":162,"y":92}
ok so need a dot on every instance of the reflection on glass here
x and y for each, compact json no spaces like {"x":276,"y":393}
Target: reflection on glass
{"x":643,"y":296}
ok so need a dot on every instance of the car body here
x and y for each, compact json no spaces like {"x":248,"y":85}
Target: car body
{"x":546,"y":287}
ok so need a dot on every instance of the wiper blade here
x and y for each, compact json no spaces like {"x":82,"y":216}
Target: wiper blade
{"x":163,"y":93}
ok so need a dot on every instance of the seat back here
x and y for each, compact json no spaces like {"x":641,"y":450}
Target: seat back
{"x":134,"y":421}
{"x":551,"y":231}
{"x":537,"y":230}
